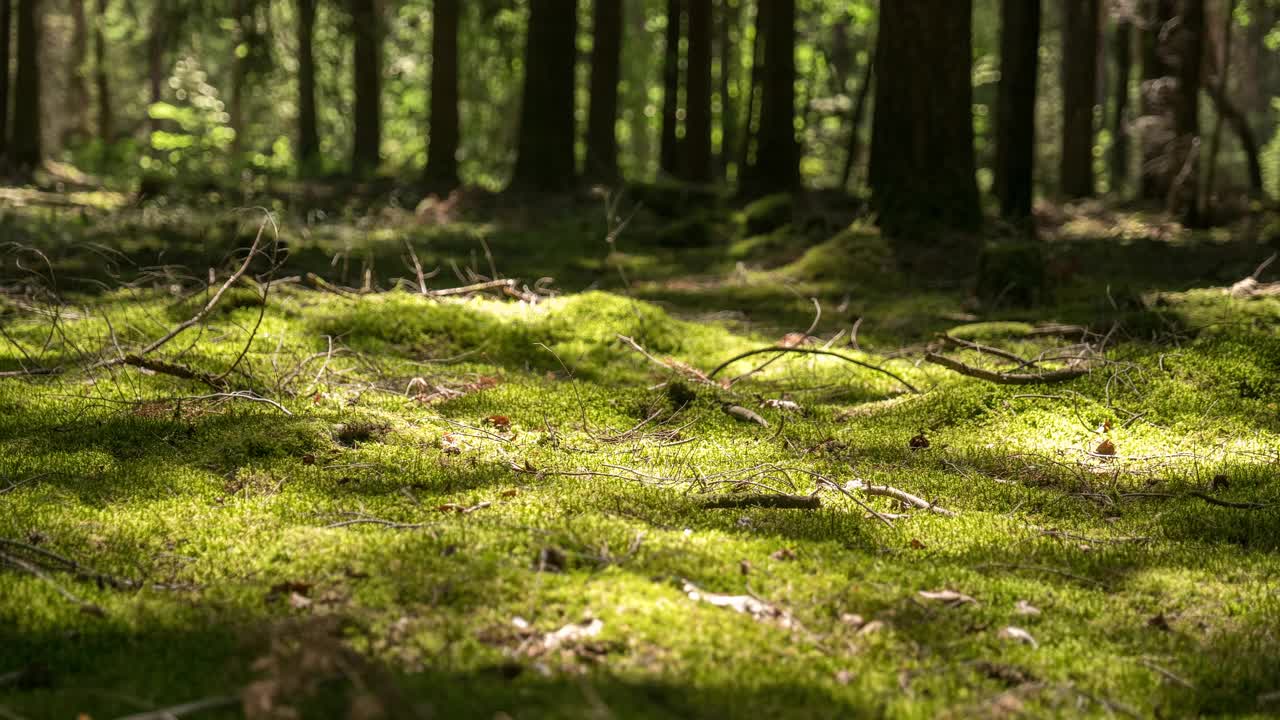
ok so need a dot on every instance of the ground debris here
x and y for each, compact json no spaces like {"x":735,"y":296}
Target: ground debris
{"x":746,"y":604}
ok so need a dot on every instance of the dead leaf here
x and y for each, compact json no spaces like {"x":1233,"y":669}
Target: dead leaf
{"x":744,"y":567}
{"x":788,"y":405}
{"x":1106,"y":447}
{"x":950,"y":598}
{"x":298,"y":601}
{"x":572,"y":633}
{"x":793,"y":340}
{"x":917,"y":544}
{"x":1025,"y":608}
{"x":308,"y":459}
{"x":871,"y":628}
{"x":451,"y":444}
{"x":742,"y":414}
{"x":783,"y":554}
{"x":1017,"y":634}
{"x":510,"y":493}
{"x":919,"y":442}
{"x":745,"y":604}
{"x":501,"y":422}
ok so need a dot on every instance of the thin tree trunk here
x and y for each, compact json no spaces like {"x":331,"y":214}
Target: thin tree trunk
{"x":697,"y":123}
{"x":1215,"y":140}
{"x":442,"y":152}
{"x":544,"y":149}
{"x":1239,"y":122}
{"x":77,"y":84}
{"x":777,"y":160}
{"x":729,"y":15}
{"x":106,"y":120}
{"x":751,"y":121}
{"x":1157,"y":111}
{"x":239,"y":73}
{"x":922,"y":157}
{"x":856,"y":116}
{"x":157,"y":46}
{"x":367,"y":148}
{"x":606,"y":71}
{"x":1122,"y":47}
{"x":1079,"y":95}
{"x":1016,"y":106}
{"x":669,"y":154}
{"x":6,"y":30}
{"x":25,"y":150}
{"x":1187,"y":112}
{"x":308,"y":135}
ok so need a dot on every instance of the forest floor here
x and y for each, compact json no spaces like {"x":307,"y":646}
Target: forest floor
{"x":357,"y":500}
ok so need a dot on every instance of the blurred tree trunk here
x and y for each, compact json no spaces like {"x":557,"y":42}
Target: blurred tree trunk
{"x":1080,"y":26}
{"x":308,"y":135}
{"x":545,"y":146}
{"x":6,"y":30}
{"x":697,"y":121}
{"x":157,"y":47}
{"x":859,"y":111}
{"x":106,"y":121}
{"x":1219,"y":84}
{"x":25,"y":151}
{"x":1016,"y":106}
{"x":77,"y":83}
{"x":922,"y":158}
{"x":1122,"y":48}
{"x":241,"y":11}
{"x":366,"y":152}
{"x":1185,"y":193}
{"x":750,"y":123}
{"x":776,"y":166}
{"x":730,"y":14}
{"x":442,"y":151}
{"x":669,"y":153}
{"x":1157,"y":91}
{"x":606,"y":72}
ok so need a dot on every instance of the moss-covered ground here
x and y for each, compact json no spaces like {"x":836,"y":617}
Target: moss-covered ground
{"x":484,"y":507}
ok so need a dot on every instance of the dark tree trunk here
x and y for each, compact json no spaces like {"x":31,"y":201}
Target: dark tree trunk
{"x":1080,"y":26}
{"x":1016,"y":106}
{"x":922,"y":158}
{"x":77,"y":84}
{"x":1122,"y":48}
{"x":1185,"y":194}
{"x":855,"y":121}
{"x":308,"y":134}
{"x":1219,"y":85}
{"x":1239,"y":121}
{"x":442,"y":152}
{"x":776,"y":167}
{"x":1157,"y":99}
{"x":366,"y":153}
{"x":697,"y":122}
{"x":606,"y":71}
{"x":750,"y":123}
{"x":106,"y":121}
{"x":728,"y":21}
{"x":242,"y":10}
{"x":25,"y":150}
{"x":157,"y":48}
{"x":544,"y":149}
{"x":669,"y":153}
{"x":6,"y":30}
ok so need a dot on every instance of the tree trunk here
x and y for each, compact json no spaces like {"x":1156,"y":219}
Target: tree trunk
{"x":1186,"y":118}
{"x":729,"y":18}
{"x":669,"y":153}
{"x":241,"y":9}
{"x":1016,"y":106}
{"x":606,"y":71}
{"x":855,"y":120}
{"x":308,"y":135}
{"x":1157,"y":100}
{"x":6,"y":30}
{"x":77,"y":84}
{"x":366,"y":152}
{"x":442,"y":152}
{"x":1122,"y":48}
{"x":25,"y":151}
{"x":1215,"y":140}
{"x":697,"y":121}
{"x":750,"y":123}
{"x":544,"y":149}
{"x":1080,"y":27}
{"x":157,"y":47}
{"x":922,"y":158}
{"x":106,"y":121}
{"x":776,"y":166}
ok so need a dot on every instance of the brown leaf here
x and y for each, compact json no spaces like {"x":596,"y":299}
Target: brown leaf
{"x":852,"y":620}
{"x":1017,"y":634}
{"x":744,"y":567}
{"x":298,"y":601}
{"x":919,"y":442}
{"x":794,"y":339}
{"x":510,"y":492}
{"x":844,"y":677}
{"x":917,"y":544}
{"x":451,"y":444}
{"x":1106,"y":447}
{"x":746,"y":604}
{"x":784,"y":554}
{"x":308,"y":459}
{"x":501,"y":422}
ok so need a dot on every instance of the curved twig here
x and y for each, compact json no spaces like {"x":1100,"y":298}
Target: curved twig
{"x":811,"y":351}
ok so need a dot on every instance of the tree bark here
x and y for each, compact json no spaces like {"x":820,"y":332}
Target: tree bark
{"x":1122,"y":48}
{"x":442,"y":152}
{"x":750,"y":123}
{"x":1157,"y":100}
{"x":669,"y":153}
{"x":776,"y":166}
{"x":922,"y":158}
{"x":606,"y":71}
{"x":77,"y":84}
{"x":366,"y":152}
{"x":1079,"y":95}
{"x":544,"y":149}
{"x":6,"y":30}
{"x":697,"y":122}
{"x":157,"y":47}
{"x":1215,"y":140}
{"x":242,"y":10}
{"x":855,"y":120}
{"x":1016,"y":106}
{"x":730,"y":15}
{"x":308,"y":135}
{"x":1187,"y":111}
{"x":106,"y":119}
{"x":25,"y":152}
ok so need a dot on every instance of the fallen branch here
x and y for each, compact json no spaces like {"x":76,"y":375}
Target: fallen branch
{"x":163,"y":367}
{"x":773,"y":502}
{"x":468,"y":289}
{"x":901,"y":496}
{"x":984,"y":349}
{"x":811,"y":351}
{"x":1006,"y":378}
{"x":1227,"y":503}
